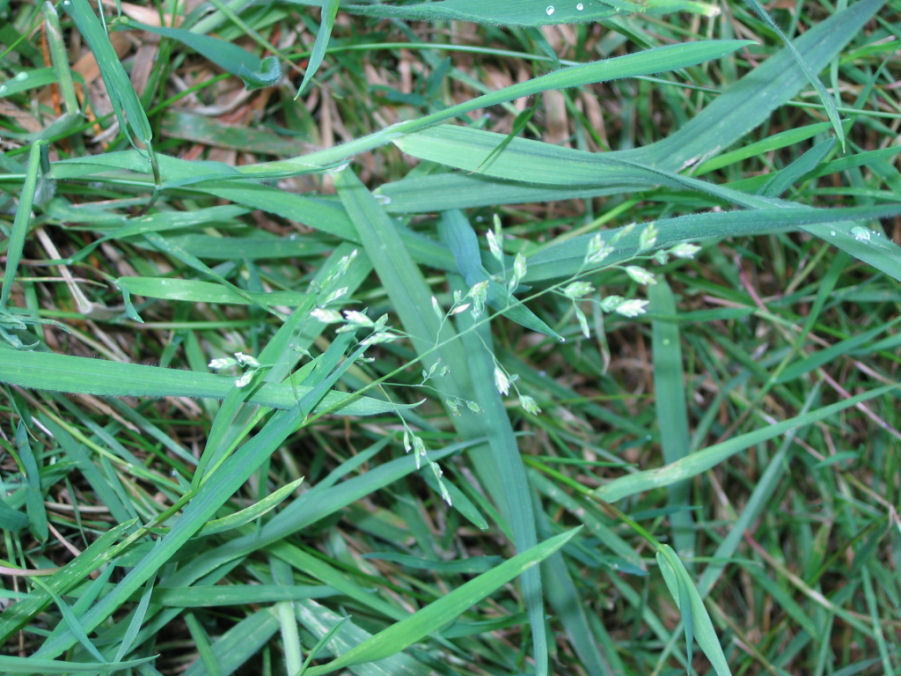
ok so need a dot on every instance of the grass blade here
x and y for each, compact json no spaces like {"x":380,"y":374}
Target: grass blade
{"x":252,"y":70}
{"x":64,"y":373}
{"x":694,"y":615}
{"x":402,"y":634}
{"x":672,"y":413}
{"x":19,"y":233}
{"x":469,"y":378}
{"x":132,"y":119}
{"x":700,"y":461}
{"x":329,"y":12}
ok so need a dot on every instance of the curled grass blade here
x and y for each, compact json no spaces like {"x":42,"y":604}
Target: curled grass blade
{"x":252,"y":70}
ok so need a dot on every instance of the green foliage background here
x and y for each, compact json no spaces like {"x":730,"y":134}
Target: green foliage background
{"x":450,"y":337}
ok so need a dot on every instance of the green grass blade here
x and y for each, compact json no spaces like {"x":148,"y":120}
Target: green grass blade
{"x":526,"y":12}
{"x":672,"y":412}
{"x":71,"y":621}
{"x":503,"y":468}
{"x":64,"y":373}
{"x":694,"y":614}
{"x":19,"y":233}
{"x":749,"y":102}
{"x":31,"y":665}
{"x":34,"y":496}
{"x":339,"y":635}
{"x":251,"y":513}
{"x":660,"y":59}
{"x":207,"y":596}
{"x":464,"y":246}
{"x":329,"y":12}
{"x":537,"y":162}
{"x":200,"y":509}
{"x":126,"y":104}
{"x":196,"y":291}
{"x":252,"y":70}
{"x":239,"y":643}
{"x":134,"y":625}
{"x":75,"y":572}
{"x":402,"y":634}
{"x":701,"y":461}
{"x":827,"y":101}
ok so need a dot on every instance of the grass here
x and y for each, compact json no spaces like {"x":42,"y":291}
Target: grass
{"x":452,"y":338}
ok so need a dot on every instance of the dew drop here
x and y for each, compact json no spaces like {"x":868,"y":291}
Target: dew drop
{"x":860,"y":233}
{"x":550,"y":9}
{"x":384,"y":200}
{"x":21,"y":76}
{"x":832,"y":232}
{"x":579,"y":6}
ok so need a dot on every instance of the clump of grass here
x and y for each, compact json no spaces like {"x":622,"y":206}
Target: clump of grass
{"x":453,"y":338}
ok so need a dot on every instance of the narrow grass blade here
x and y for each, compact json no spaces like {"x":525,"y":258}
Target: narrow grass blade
{"x":526,"y":12}
{"x":701,"y":461}
{"x":34,"y":496}
{"x":657,"y":60}
{"x":251,"y":513}
{"x":126,"y":104}
{"x":19,"y":232}
{"x":64,"y":373}
{"x":755,"y":504}
{"x":329,"y":12}
{"x":827,"y":100}
{"x":202,"y":506}
{"x":208,"y":596}
{"x":75,"y":572}
{"x":402,"y":634}
{"x":694,"y":615}
{"x":337,"y":635}
{"x":672,"y":413}
{"x":508,"y":473}
{"x":749,"y":102}
{"x":469,"y":378}
{"x":137,"y":619}
{"x":537,"y":162}
{"x":196,"y":291}
{"x":783,"y":179}
{"x":31,"y":665}
{"x":240,"y":643}
{"x":71,"y":621}
{"x":564,"y":598}
{"x":464,"y":246}
{"x":60,"y":59}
